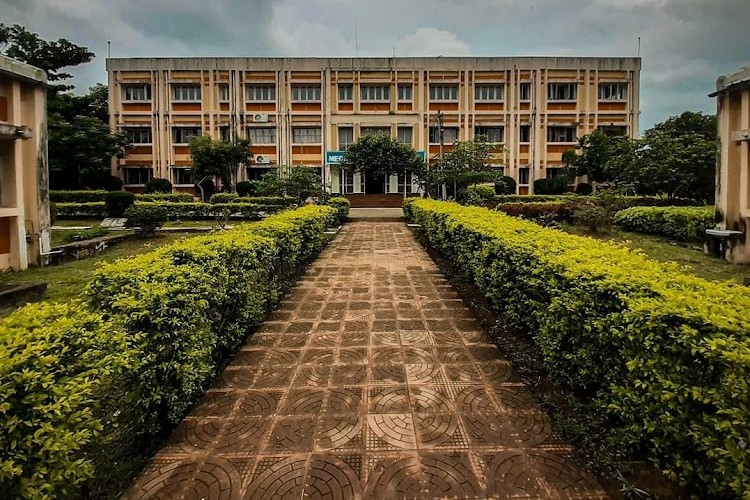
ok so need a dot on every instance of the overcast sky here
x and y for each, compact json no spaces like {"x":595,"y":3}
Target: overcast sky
{"x":686,"y":44}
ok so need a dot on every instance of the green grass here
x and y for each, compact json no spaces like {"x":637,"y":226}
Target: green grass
{"x":690,"y":257}
{"x":66,"y":281}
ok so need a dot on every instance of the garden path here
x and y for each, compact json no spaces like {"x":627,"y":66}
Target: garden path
{"x":372,"y":379}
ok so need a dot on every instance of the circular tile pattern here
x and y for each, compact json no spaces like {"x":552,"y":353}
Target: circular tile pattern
{"x":429,"y":400}
{"x":394,"y":429}
{"x":423,"y":373}
{"x":389,"y":400}
{"x":335,"y":431}
{"x":257,"y":404}
{"x":449,"y":476}
{"x":331,"y":478}
{"x":218,"y":434}
{"x":435,"y":429}
{"x":510,"y":428}
{"x":476,"y":402}
{"x":395,"y":478}
{"x":284,"y":480}
{"x":194,"y":478}
{"x":344,"y":401}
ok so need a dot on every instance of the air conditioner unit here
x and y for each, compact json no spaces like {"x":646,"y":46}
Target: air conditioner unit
{"x":260,"y":117}
{"x":262,"y":159}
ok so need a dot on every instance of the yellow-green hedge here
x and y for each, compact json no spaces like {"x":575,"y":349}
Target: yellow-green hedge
{"x":666,"y":354}
{"x":84,"y":387}
{"x":681,"y":223}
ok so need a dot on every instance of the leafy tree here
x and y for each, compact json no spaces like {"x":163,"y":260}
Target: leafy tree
{"x":297,"y":182}
{"x":158,"y":185}
{"x":215,"y":158}
{"x":466,"y":164}
{"x":595,"y":150}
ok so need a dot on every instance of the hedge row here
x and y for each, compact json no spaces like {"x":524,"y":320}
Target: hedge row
{"x":97,"y":210}
{"x":170,"y":197}
{"x":616,"y":202}
{"x":665,"y":354}
{"x":560,"y":211}
{"x":94,"y":196}
{"x":342,"y":206}
{"x":258,"y":200}
{"x":680,"y":223}
{"x":88,"y":388}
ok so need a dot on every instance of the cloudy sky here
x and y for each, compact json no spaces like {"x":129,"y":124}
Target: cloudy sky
{"x":686,"y":44}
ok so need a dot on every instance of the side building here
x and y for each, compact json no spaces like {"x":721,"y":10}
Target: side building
{"x":308,"y":110}
{"x":24,"y":174}
{"x":733,"y":172}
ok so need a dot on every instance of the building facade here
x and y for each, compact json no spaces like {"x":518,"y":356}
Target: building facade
{"x":733,"y":172}
{"x":24,"y":175}
{"x":306,"y":111}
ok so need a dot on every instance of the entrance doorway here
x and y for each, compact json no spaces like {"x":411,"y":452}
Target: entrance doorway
{"x":374,"y":183}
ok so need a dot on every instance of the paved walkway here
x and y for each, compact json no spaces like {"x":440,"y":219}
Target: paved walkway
{"x":371,"y":380}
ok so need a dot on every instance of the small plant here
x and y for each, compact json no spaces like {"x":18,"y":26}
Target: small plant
{"x":478,"y":194}
{"x":86,"y":235}
{"x":222,"y":217}
{"x":594,"y":217}
{"x":225,"y":198}
{"x":116,"y":202}
{"x":146,"y":219}
{"x":247,"y":188}
{"x":505,"y":185}
{"x":157,"y":185}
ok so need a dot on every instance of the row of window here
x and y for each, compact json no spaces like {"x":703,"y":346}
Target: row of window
{"x":438,"y":92}
{"x":313,"y":135}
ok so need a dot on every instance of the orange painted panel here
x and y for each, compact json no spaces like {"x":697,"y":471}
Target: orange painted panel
{"x":3,"y":109}
{"x":260,"y":107}
{"x":346,"y":106}
{"x":560,"y":106}
{"x":182,"y":150}
{"x":404,"y":106}
{"x":435,"y":148}
{"x":523,"y":148}
{"x":524,"y":106}
{"x":185,"y":189}
{"x":186,"y":106}
{"x":525,"y":75}
{"x":489,"y":106}
{"x":612,"y":118}
{"x":183,"y":163}
{"x":523,"y":189}
{"x":443,"y":106}
{"x":306,"y":106}
{"x":224,"y":106}
{"x":559,"y":148}
{"x":136,"y":106}
{"x":131,"y":162}
{"x":612,"y":106}
{"x":263,"y":150}
{"x":5,"y":235}
{"x":138,"y":150}
{"x":375,"y":106}
{"x":305,"y":150}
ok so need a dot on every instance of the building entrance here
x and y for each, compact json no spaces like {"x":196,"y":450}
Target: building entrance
{"x":374,"y":183}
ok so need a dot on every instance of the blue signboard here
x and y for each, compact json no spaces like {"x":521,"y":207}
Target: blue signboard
{"x":334,"y":157}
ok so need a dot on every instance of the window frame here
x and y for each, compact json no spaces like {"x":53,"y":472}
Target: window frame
{"x":272,"y":135}
{"x":603,"y":85}
{"x":500,"y":127}
{"x":443,"y":86}
{"x":267,"y":92}
{"x":126,"y":170}
{"x":176,"y":176}
{"x":494,"y":87}
{"x":348,"y":88}
{"x":527,"y":172}
{"x":521,"y":128}
{"x":174,"y":136}
{"x":222,"y":88}
{"x":319,"y":135}
{"x":128,"y":130}
{"x":436,"y":135}
{"x":146,"y":87}
{"x":384,"y":94}
{"x":551,"y":131}
{"x":184,"y":87}
{"x":342,"y":145}
{"x":556,"y":85}
{"x":399,"y":129}
{"x":524,"y":85}
{"x":308,"y":87}
{"x":405,"y":86}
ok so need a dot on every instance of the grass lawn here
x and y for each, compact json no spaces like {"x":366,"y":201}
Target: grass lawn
{"x":66,"y":281}
{"x":683,"y":254}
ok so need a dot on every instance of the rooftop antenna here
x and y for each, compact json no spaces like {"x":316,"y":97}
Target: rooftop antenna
{"x":639,"y":46}
{"x":356,"y":38}
{"x":109,"y":49}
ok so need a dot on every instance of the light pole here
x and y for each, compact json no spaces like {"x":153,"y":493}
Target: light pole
{"x":438,"y":121}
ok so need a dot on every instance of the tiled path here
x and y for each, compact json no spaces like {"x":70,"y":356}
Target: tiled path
{"x":371,"y":380}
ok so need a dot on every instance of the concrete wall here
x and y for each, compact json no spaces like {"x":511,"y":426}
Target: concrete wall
{"x":24,"y":184}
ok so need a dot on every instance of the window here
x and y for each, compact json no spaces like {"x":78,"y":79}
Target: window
{"x":613,"y":130}
{"x":404,"y":135}
{"x":261,"y":135}
{"x":374,"y":92}
{"x":346,"y":181}
{"x":404,"y":92}
{"x":401,"y":180}
{"x":524,"y":92}
{"x":306,"y":135}
{"x":485,"y":92}
{"x":493,"y":134}
{"x":612,"y":91}
{"x":553,"y":172}
{"x":443,"y":92}
{"x":346,"y":137}
{"x":182,"y":135}
{"x":524,"y":133}
{"x":256,"y":173}
{"x":260,"y":93}
{"x":225,"y":133}
{"x":136,"y":92}
{"x":562,"y":91}
{"x":561,"y":134}
{"x":137,"y":175}
{"x":375,"y":131}
{"x":345,"y":92}
{"x":182,"y":175}
{"x":305,"y":92}
{"x":450,"y":135}
{"x":523,"y":175}
{"x":138,"y":135}
{"x":187,"y":93}
{"x":223,"y":92}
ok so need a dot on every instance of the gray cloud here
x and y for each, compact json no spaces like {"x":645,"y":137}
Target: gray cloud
{"x":686,"y":44}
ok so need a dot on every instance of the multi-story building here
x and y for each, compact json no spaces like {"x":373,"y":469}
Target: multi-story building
{"x":733,"y":172}
{"x":308,"y":110}
{"x":24,"y":176}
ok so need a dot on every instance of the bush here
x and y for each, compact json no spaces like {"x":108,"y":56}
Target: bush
{"x":76,"y":196}
{"x":92,"y":210}
{"x":553,"y":185}
{"x":478,"y":194}
{"x":663,"y":354}
{"x":247,"y":188}
{"x":87,"y":234}
{"x":173,"y":197}
{"x":342,"y":206}
{"x":88,"y":389}
{"x":584,"y":189}
{"x":224,"y":198}
{"x":505,"y":185}
{"x":205,"y":211}
{"x":157,"y":185}
{"x":278,"y":201}
{"x":146,"y":219}
{"x":680,"y":223}
{"x":532,"y":198}
{"x":116,"y":202}
{"x":543,"y":212}
{"x":112,"y":183}
{"x":592,"y":216}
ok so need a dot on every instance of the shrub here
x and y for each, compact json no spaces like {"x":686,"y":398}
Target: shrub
{"x":247,"y":188}
{"x":173,"y":197}
{"x":505,"y":185}
{"x":342,"y":206}
{"x":92,"y":210}
{"x":532,"y":198}
{"x":665,"y":355}
{"x":279,"y":201}
{"x":545,"y":212}
{"x":76,"y":196}
{"x":157,"y":185}
{"x":87,"y":234}
{"x":112,"y":183}
{"x":680,"y":223}
{"x":478,"y":194}
{"x":553,"y":185}
{"x":116,"y":202}
{"x":592,"y":216}
{"x":584,"y":189}
{"x":146,"y":219}
{"x":224,"y":198}
{"x":205,"y":211}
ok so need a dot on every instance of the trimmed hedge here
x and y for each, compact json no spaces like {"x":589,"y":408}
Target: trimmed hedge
{"x":76,"y":196}
{"x":616,"y":202}
{"x":86,"y":388}
{"x":166,"y":197}
{"x":559,"y":211}
{"x":224,"y":198}
{"x":680,"y":223}
{"x":97,"y":210}
{"x":258,"y":200}
{"x":342,"y":206}
{"x":90,"y":210}
{"x":665,"y":354}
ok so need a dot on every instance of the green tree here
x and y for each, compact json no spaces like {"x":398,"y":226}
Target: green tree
{"x":468,"y":163}
{"x":215,"y":158}
{"x":594,"y":151}
{"x":296,"y":182}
